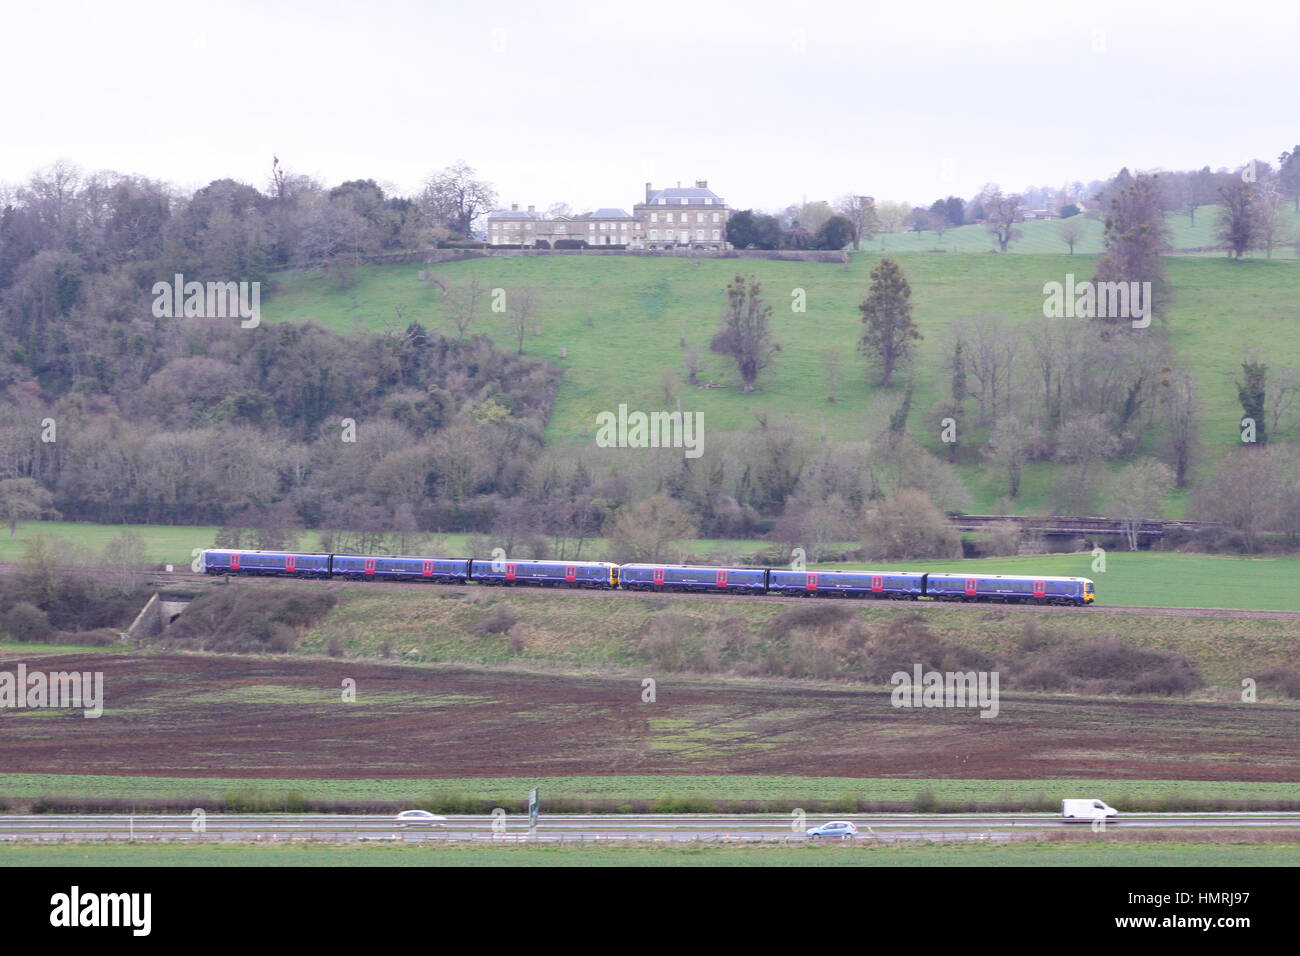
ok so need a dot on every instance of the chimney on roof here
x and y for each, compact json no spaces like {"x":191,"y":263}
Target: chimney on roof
{"x":701,"y":184}
{"x":531,"y":209}
{"x":647,"y":192}
{"x":514,"y":207}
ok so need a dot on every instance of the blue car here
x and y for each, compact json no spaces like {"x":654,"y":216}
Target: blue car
{"x":1010,"y":588}
{"x":571,"y":574}
{"x":279,"y":563}
{"x":668,"y":577}
{"x":900,"y":585}
{"x":837,"y":829}
{"x":370,"y":567}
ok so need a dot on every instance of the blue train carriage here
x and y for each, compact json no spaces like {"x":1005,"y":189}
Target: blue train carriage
{"x":1010,"y":588}
{"x":280,"y":563}
{"x":668,"y":577}
{"x":898,"y":585}
{"x":570,"y":574}
{"x":384,"y":567}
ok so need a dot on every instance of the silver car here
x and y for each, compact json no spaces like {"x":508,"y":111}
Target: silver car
{"x":419,"y":818}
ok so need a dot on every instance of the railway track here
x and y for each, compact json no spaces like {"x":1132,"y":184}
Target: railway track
{"x":163,"y":579}
{"x":918,"y":604}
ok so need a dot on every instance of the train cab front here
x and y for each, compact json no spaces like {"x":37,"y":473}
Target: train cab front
{"x":1088,"y":595}
{"x":613,"y":576}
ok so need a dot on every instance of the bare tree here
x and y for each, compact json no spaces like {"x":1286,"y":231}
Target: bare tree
{"x":1082,"y":443}
{"x":991,"y":358}
{"x":523,"y":303}
{"x":1010,"y":442}
{"x":647,"y":530}
{"x":22,"y":499}
{"x":1134,"y":495}
{"x":1271,"y":215}
{"x":832,"y":362}
{"x":1002,"y":212}
{"x":693,"y":363}
{"x":455,"y":198}
{"x":1282,"y":392}
{"x":1180,"y":407}
{"x":463,"y":300}
{"x":1071,"y":231}
{"x":1241,"y":492}
{"x":1237,"y":224}
{"x":861,"y":212}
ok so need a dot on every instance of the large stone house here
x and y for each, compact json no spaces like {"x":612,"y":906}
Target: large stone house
{"x":676,"y":217}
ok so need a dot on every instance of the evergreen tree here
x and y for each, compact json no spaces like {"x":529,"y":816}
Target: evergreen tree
{"x":887,"y":315}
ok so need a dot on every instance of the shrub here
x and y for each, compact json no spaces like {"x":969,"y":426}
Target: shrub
{"x":1283,"y":680}
{"x":26,"y":622}
{"x":237,"y":619}
{"x":906,"y":640}
{"x":672,"y":640}
{"x":908,"y":526}
{"x":500,"y":619}
{"x":817,"y":640}
{"x":520,"y":638}
{"x":1107,"y":666}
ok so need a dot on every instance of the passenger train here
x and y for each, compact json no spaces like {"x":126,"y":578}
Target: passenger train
{"x":895,"y":585}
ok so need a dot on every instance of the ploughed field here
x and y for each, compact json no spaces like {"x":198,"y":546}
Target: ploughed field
{"x":200,"y":715}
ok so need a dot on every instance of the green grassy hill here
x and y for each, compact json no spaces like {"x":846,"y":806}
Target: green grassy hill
{"x":1044,"y":237}
{"x":614,"y":324}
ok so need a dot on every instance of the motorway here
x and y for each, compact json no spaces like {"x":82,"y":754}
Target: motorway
{"x":887,"y":828}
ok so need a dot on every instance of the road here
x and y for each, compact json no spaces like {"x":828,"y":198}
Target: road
{"x":596,"y":827}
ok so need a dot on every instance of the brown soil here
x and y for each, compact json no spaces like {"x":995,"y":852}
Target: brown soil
{"x":203,"y":715}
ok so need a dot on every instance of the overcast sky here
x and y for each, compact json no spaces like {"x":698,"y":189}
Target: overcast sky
{"x":584,"y":102}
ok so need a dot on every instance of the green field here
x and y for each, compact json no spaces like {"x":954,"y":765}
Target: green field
{"x":1044,"y":237}
{"x":640,"y":309}
{"x":1155,"y":579}
{"x":703,"y":854}
{"x":739,"y":787}
{"x":174,"y":544}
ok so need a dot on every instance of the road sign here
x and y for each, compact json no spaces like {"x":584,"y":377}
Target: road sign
{"x":532,"y":811}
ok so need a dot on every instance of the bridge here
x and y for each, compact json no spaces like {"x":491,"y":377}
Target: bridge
{"x":1076,"y":526}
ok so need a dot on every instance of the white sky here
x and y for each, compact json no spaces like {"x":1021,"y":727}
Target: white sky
{"x":552,"y":101}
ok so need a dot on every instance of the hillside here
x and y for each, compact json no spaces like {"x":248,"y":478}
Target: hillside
{"x":614,"y":324}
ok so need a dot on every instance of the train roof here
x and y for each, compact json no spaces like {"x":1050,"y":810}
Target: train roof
{"x":1003,"y":577}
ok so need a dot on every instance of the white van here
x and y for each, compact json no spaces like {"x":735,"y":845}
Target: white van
{"x":1087,"y":810}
